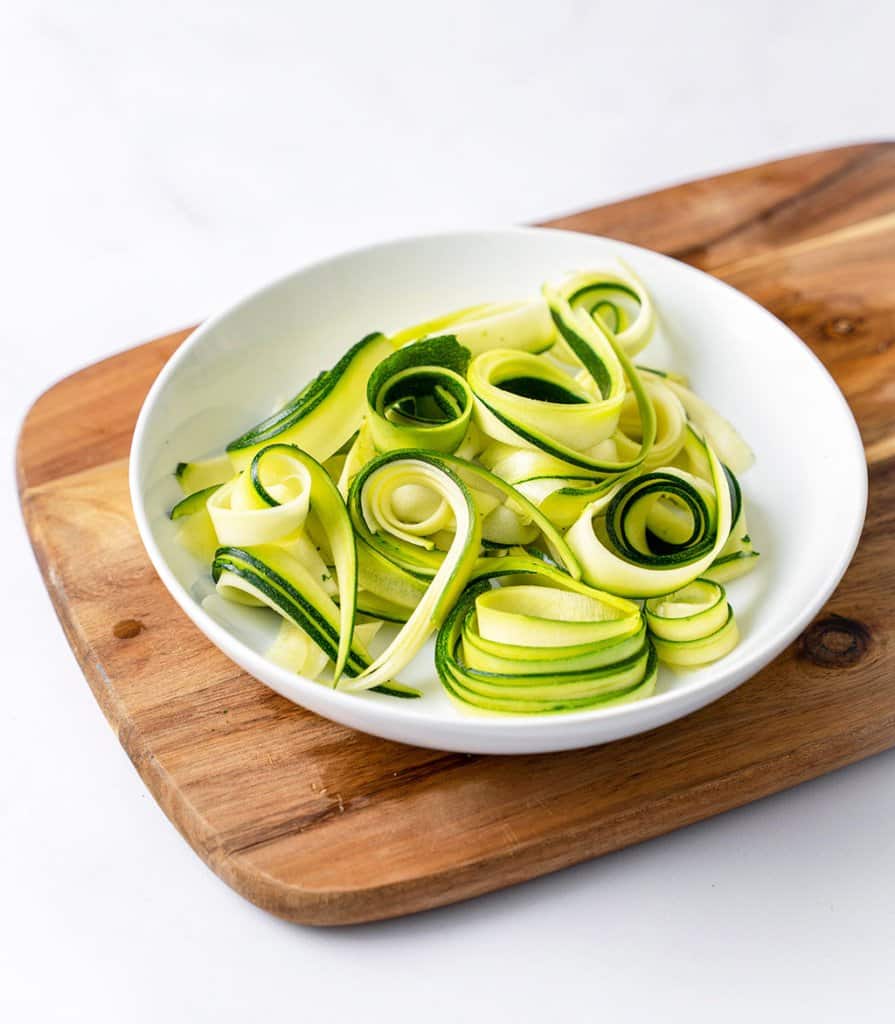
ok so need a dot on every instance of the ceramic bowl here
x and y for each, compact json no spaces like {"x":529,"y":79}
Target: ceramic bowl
{"x":805,"y":496}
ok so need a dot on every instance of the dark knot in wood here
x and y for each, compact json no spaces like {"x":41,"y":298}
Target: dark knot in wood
{"x":835,"y":642}
{"x":127,"y":629}
{"x":841,"y":328}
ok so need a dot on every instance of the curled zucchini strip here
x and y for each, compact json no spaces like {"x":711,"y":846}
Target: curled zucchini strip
{"x":418,"y":397}
{"x":657,"y":532}
{"x":398,"y":503}
{"x":738,"y":556}
{"x":671,"y":425}
{"x":269,"y":503}
{"x":522,"y":396}
{"x":275,"y":472}
{"x":527,"y":402}
{"x":563,"y":492}
{"x":692,"y":626}
{"x":242,"y":516}
{"x":411,"y":518}
{"x":553,"y":646}
{"x":614,"y":299}
{"x":719,"y":432}
{"x":525,"y":325}
{"x":324,"y":414}
{"x":376,"y":496}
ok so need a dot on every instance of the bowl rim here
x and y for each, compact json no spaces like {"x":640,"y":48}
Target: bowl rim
{"x":385,"y":715}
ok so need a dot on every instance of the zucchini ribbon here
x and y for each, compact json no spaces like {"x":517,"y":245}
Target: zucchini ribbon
{"x":403,"y":505}
{"x":544,"y":643}
{"x":692,"y":626}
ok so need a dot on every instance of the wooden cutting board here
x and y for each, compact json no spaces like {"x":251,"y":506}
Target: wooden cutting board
{"x":323,"y":825}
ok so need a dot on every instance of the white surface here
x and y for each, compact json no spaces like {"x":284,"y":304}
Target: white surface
{"x":158,"y":161}
{"x":707,"y":331}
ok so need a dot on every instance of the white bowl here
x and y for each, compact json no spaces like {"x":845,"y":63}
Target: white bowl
{"x":805,"y":496}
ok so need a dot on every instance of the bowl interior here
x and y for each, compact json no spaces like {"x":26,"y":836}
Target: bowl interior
{"x":805,"y":496}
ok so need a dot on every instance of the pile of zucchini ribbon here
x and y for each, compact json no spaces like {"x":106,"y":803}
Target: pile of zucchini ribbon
{"x":504,"y":477}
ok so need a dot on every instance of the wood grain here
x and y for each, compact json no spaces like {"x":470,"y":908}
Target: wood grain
{"x":323,"y":825}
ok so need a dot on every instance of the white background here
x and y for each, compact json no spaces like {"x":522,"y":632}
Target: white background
{"x":159,"y":160}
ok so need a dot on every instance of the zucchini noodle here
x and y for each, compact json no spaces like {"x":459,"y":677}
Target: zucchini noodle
{"x":692,"y":626}
{"x":418,"y":397}
{"x":656,"y":532}
{"x":615,"y":299}
{"x":526,"y":401}
{"x":526,"y":648}
{"x":325,"y":413}
{"x":525,"y":325}
{"x":376,"y":493}
{"x":502,"y":476}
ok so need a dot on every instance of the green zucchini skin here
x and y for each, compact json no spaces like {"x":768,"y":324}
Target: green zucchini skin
{"x":700,"y":541}
{"x":195,"y":531}
{"x":730,"y":567}
{"x":398,"y":690}
{"x":286,"y":594}
{"x":325,"y":413}
{"x":203,"y":473}
{"x":192,"y":503}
